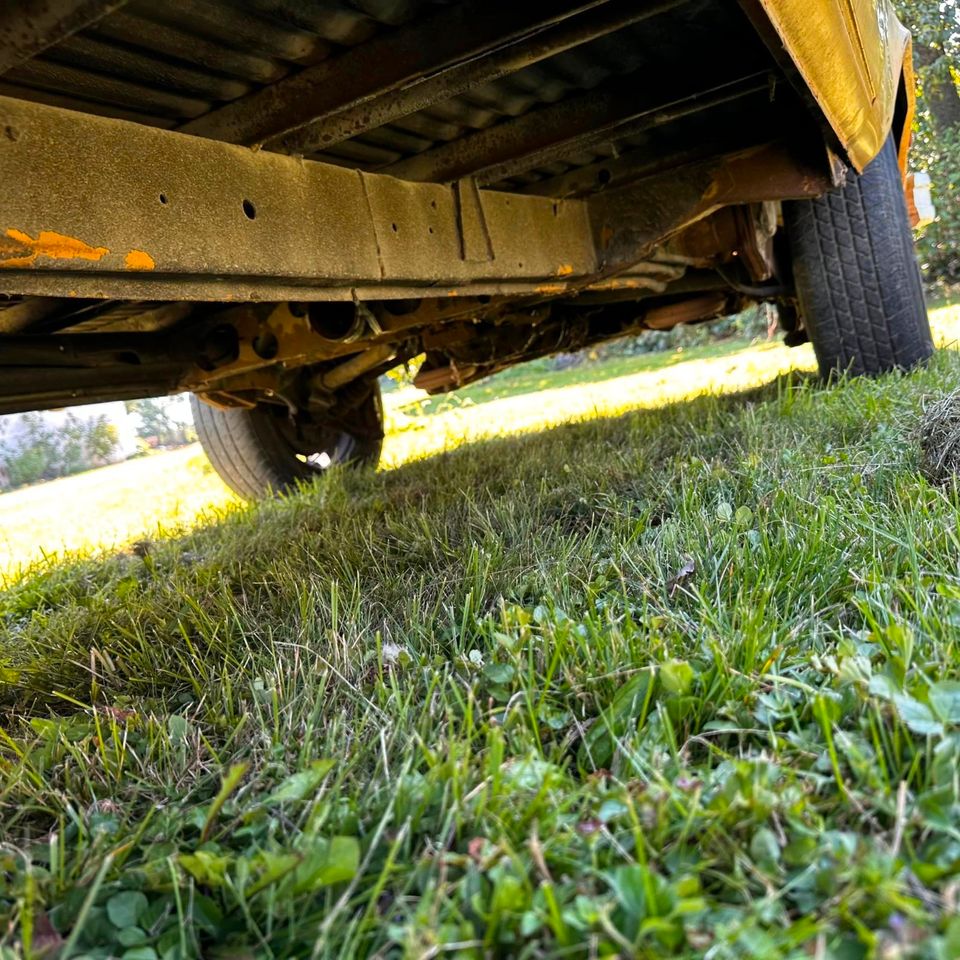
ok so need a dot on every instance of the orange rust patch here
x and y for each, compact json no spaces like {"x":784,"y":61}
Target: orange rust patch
{"x":549,"y":289}
{"x":139,"y":260}
{"x":565,"y":269}
{"x":25,"y":251}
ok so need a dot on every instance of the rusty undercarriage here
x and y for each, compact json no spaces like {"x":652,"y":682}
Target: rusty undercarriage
{"x":273,"y":202}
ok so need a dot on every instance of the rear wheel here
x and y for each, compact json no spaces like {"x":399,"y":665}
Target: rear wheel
{"x":857,"y":280}
{"x":261,"y":450}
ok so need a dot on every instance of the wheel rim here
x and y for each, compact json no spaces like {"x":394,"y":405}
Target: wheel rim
{"x":316,"y":446}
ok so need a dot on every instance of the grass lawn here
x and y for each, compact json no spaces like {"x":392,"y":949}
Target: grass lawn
{"x":167,"y":492}
{"x":680,"y":678}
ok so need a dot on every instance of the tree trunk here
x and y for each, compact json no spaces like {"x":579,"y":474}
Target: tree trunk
{"x":940,"y":93}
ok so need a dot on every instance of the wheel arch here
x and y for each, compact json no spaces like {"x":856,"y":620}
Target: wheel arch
{"x":904,"y":110}
{"x":853,"y":56}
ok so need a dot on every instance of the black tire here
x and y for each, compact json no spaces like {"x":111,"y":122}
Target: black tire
{"x":260,"y":451}
{"x":856,"y":276}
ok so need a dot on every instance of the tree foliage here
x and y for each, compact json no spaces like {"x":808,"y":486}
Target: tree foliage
{"x":163,"y":421}
{"x":45,"y":452}
{"x":935,"y":25}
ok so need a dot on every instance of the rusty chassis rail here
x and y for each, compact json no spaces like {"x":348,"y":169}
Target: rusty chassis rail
{"x":28,"y":28}
{"x":232,"y":355}
{"x":104,"y":209}
{"x":397,"y":74}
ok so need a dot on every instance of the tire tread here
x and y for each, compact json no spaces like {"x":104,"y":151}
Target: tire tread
{"x":253,"y":460}
{"x":857,"y":279}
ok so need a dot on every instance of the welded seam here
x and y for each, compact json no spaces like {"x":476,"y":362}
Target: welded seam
{"x":373,"y":223}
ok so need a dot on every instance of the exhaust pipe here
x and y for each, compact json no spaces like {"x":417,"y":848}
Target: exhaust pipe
{"x":339,"y":321}
{"x":357,"y":366}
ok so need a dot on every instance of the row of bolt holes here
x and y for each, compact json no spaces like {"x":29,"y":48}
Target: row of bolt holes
{"x":433,"y":206}
{"x":396,"y":229}
{"x":249,"y":210}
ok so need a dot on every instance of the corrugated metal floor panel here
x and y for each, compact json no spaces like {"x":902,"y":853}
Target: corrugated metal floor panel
{"x":166,"y":63}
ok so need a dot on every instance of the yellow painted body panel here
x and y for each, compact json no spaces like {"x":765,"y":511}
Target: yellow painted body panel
{"x":851,"y":53}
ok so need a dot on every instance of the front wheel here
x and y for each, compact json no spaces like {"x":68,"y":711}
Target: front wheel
{"x":857,"y":280}
{"x":263,"y":450}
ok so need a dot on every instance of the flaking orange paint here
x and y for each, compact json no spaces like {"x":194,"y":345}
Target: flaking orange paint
{"x":139,"y":260}
{"x":54,"y":246}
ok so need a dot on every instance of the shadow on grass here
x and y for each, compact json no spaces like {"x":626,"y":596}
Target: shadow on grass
{"x":498,"y":519}
{"x":485,"y":466}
